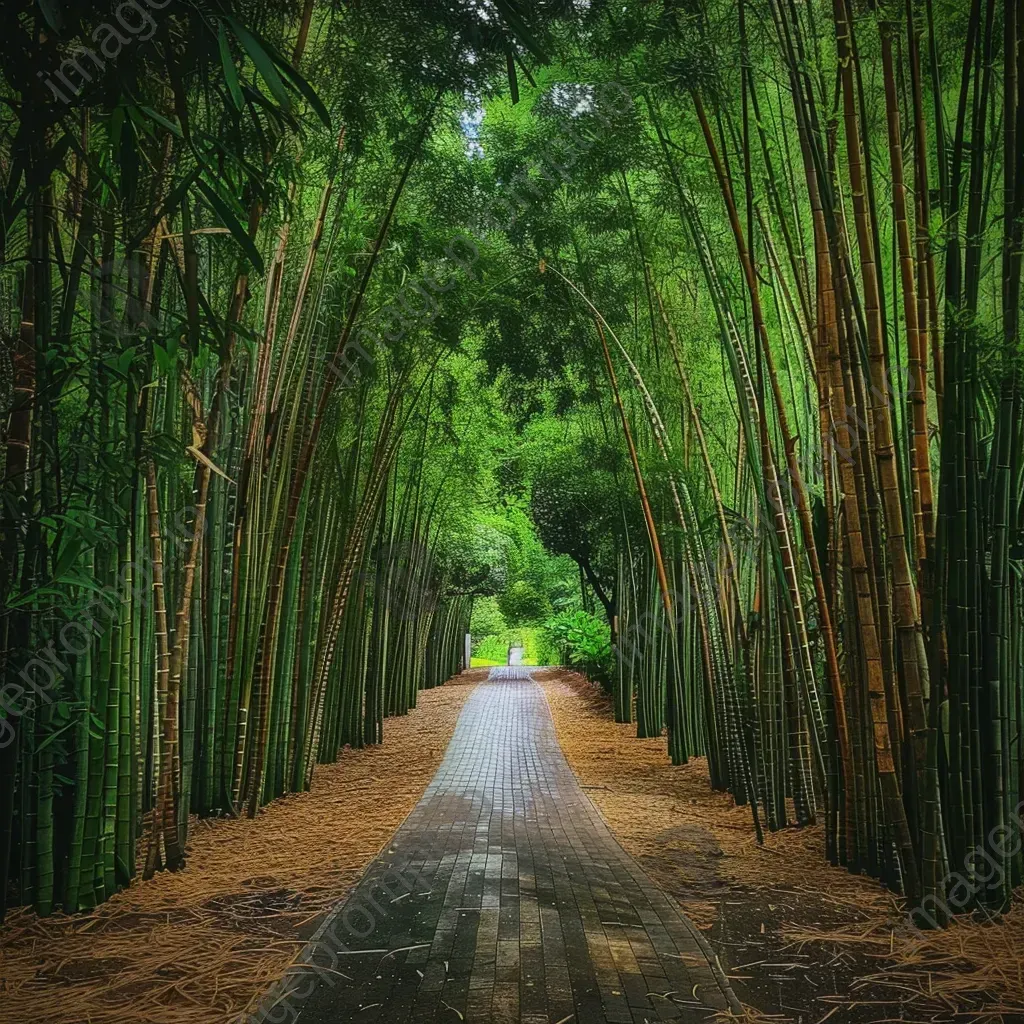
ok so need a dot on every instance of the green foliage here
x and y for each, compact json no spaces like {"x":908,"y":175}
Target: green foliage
{"x":528,"y":582}
{"x":535,"y":641}
{"x":491,"y":648}
{"x":487,"y":619}
{"x":479,"y":459}
{"x":582,"y":640}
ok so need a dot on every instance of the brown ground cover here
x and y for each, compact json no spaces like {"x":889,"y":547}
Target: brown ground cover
{"x":801,"y":940}
{"x":200,"y":945}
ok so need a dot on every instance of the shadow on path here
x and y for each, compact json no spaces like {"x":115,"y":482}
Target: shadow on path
{"x":503,"y":897}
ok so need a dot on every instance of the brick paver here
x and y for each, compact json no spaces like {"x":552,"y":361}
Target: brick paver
{"x":503,"y":897}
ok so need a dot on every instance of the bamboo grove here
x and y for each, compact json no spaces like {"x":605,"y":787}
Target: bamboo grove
{"x":227,"y":551}
{"x":724,"y":294}
{"x":815,"y":582}
{"x":848,"y":586}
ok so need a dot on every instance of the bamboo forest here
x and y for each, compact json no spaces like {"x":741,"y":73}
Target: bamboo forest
{"x":512,"y":510}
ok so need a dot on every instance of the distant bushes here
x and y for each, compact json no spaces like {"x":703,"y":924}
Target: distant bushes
{"x":574,"y":638}
{"x":537,"y":648}
{"x":490,"y":648}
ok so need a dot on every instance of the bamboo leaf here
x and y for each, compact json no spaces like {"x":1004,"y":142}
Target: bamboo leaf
{"x":515,"y":22}
{"x":161,"y":120}
{"x":70,"y":551}
{"x":53,"y":736}
{"x":172,"y":200}
{"x":230,"y":72}
{"x":257,"y":52}
{"x":232,"y":223}
{"x":303,"y":86}
{"x":200,"y":457}
{"x":52,"y":13}
{"x":513,"y":83}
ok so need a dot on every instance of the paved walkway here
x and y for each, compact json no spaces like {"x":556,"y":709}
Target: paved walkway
{"x":503,"y":898}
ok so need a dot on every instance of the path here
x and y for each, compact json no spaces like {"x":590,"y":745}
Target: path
{"x":504,"y":898}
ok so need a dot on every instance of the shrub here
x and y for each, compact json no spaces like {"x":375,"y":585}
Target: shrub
{"x":583,"y":641}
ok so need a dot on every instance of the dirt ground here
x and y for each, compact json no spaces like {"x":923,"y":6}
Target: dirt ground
{"x":800,"y":940}
{"x":200,"y":945}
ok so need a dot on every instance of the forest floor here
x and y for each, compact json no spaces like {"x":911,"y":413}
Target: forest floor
{"x":800,"y":940}
{"x":201,"y":945}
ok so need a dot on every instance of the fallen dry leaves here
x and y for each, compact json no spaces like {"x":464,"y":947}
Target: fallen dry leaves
{"x":200,"y":945}
{"x":972,"y":970}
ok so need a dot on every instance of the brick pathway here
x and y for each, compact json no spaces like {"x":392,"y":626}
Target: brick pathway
{"x":503,"y":897}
